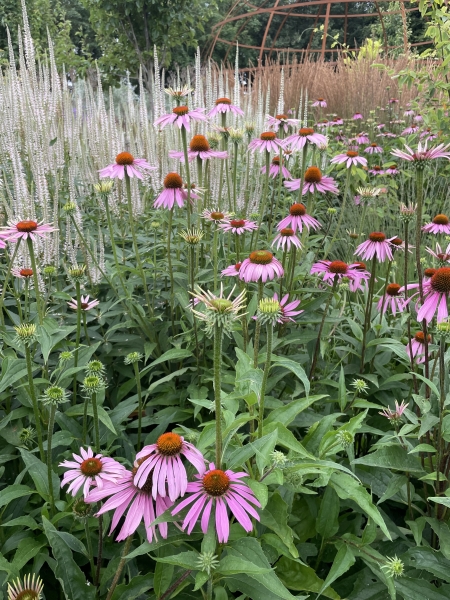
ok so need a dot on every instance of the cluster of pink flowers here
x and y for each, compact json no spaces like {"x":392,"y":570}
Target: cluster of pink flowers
{"x":156,"y":482}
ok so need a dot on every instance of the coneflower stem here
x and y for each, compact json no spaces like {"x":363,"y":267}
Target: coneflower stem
{"x":257,"y":328}
{"x":386,"y":283}
{"x":113,"y":244}
{"x":440,"y":440}
{"x":89,"y":546}
{"x":341,"y":215}
{"x":368,"y":311}
{"x":51,"y":424}
{"x":262,"y":206}
{"x":99,"y":550}
{"x":137,"y":376}
{"x":319,"y":334}
{"x":235,"y":161}
{"x":169,"y":265}
{"x":118,"y":574}
{"x":35,"y":280}
{"x":269,"y":328}
{"x":214,"y":249}
{"x":135,"y":243}
{"x":199,"y":171}
{"x":280,"y":182}
{"x":302,"y":173}
{"x":77,"y":341}
{"x":96,"y":423}
{"x":5,"y":283}
{"x":32,"y":390}
{"x":188,"y":176}
{"x":218,"y":335}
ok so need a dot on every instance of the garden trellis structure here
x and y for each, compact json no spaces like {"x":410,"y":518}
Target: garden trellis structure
{"x":270,"y":18}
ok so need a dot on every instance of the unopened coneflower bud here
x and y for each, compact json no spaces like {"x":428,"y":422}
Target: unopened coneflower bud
{"x":279,"y":459}
{"x":192,"y":236}
{"x":82,"y":510}
{"x":103,"y":187}
{"x":70,"y":208}
{"x":214,"y":140}
{"x":26,"y":333}
{"x":54,"y":395}
{"x":293,"y":478}
{"x":331,"y":210}
{"x":443,"y":329}
{"x":250,"y":127}
{"x":207,"y":562}
{"x":133,"y":357}
{"x":93,"y":384}
{"x":344,"y":286}
{"x":345,"y":438}
{"x":269,"y":311}
{"x":179,"y":92}
{"x":220,"y":312}
{"x":394,"y":567}
{"x":77,"y":273}
{"x":27,"y":436}
{"x":30,"y":588}
{"x":49,"y":271}
{"x":360,"y":386}
{"x":191,"y":436}
{"x":236,"y":135}
{"x":155,"y":224}
{"x":65,"y":356}
{"x":407,"y":213}
{"x":95,"y":367}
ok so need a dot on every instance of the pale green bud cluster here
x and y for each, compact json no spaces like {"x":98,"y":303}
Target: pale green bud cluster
{"x":345,"y":438}
{"x":95,"y":367}
{"x":70,"y":208}
{"x":133,"y":357}
{"x":279,"y":459}
{"x":93,"y":384}
{"x":207,"y":562}
{"x":192,"y":236}
{"x":54,"y":395}
{"x":25,"y":333}
{"x":360,"y":386}
{"x":269,"y":311}
{"x":103,"y":187}
{"x":394,"y":567}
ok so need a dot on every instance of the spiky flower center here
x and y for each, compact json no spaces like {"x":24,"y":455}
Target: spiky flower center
{"x":216,"y":483}
{"x":169,"y":444}
{"x":124,"y":158}
{"x":440,"y":282}
{"x":320,"y":99}
{"x":377,"y":236}
{"x":237,"y":266}
{"x":360,"y":266}
{"x":276,"y":160}
{"x":429,"y":272}
{"x":287,"y":232}
{"x":297,"y":210}
{"x":352,"y":154}
{"x":223,"y":101}
{"x":441,"y":220}
{"x":91,"y":467}
{"x":84,"y":305}
{"x":420,"y":337}
{"x":313,"y":175}
{"x":305,"y":131}
{"x":397,"y":241}
{"x":221,"y":305}
{"x":217,"y":216}
{"x":148,"y":485}
{"x":262,"y":257}
{"x":237,"y":223}
{"x":199,"y":144}
{"x":281,"y":117}
{"x":377,"y":168}
{"x":173,"y":181}
{"x":180,"y":110}
{"x":393,"y":167}
{"x":26,"y":226}
{"x":26,"y":272}
{"x":338,"y":267}
{"x":27,"y":595}
{"x":268,"y":136}
{"x":373,"y":145}
{"x":393,"y":289}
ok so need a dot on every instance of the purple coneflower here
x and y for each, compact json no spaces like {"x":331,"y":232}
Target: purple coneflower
{"x":85,"y":304}
{"x":16,"y":230}
{"x":394,"y":415}
{"x":393,"y":299}
{"x":198,"y":148}
{"x":22,"y":273}
{"x":323,"y":123}
{"x":423,"y":153}
{"x":215,"y":216}
{"x":376,"y":170}
{"x":360,"y":283}
{"x":418,"y":118}
{"x":412,"y":129}
{"x":238,"y":226}
{"x":336,"y":121}
{"x":440,"y":224}
{"x":351,"y":157}
{"x":436,"y":292}
{"x":260,"y":265}
{"x":362,"y":138}
{"x":409,"y":112}
{"x":320,"y":102}
{"x":338,"y":268}
{"x":428,"y":135}
{"x":29,"y":589}
{"x":214,"y":491}
{"x":164,"y":459}
{"x":416,"y":347}
{"x":90,"y":470}
{"x":392,"y":170}
{"x":181,"y":116}
{"x":286,"y":238}
{"x":314,"y":181}
{"x":287,"y":309}
{"x":374,"y":148}
{"x":440,"y":254}
{"x":274,"y":169}
{"x":123,"y":496}
{"x":173,"y":192}
{"x":357,"y":116}
{"x":376,"y":246}
{"x":393,"y":100}
{"x":297,"y":218}
{"x":267,"y":141}
{"x":282,"y":121}
{"x":232,"y":270}
{"x":223,"y":105}
{"x":125,"y":163}
{"x":297,"y":141}
{"x":427,"y":274}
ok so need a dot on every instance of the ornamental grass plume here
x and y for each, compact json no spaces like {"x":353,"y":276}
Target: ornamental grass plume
{"x":163,"y":461}
{"x":214,"y":493}
{"x":88,"y":470}
{"x":126,"y":164}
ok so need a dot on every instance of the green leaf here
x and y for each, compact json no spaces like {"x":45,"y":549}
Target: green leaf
{"x":430,"y":560}
{"x":12,"y":492}
{"x":343,"y":560}
{"x":172,"y":354}
{"x":418,"y":589}
{"x":348,"y":489}
{"x":342,"y":390}
{"x":287,"y":439}
{"x":391,"y":457}
{"x":231,"y":565}
{"x":302,"y":578}
{"x":12,"y":371}
{"x":187,"y":560}
{"x":134,"y":588}
{"x":26,"y":550}
{"x":275,"y":517}
{"x":295,"y":368}
{"x":327,"y":520}
{"x":174,"y":536}
{"x":78,"y":410}
{"x":286,"y":414}
{"x":38,"y":473}
{"x":167,"y":378}
{"x":260,"y":490}
{"x":68,"y":573}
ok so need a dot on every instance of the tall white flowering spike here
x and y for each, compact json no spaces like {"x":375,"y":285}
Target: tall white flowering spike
{"x":280,"y":106}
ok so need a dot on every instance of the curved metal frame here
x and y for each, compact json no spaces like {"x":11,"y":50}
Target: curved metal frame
{"x":287,"y":11}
